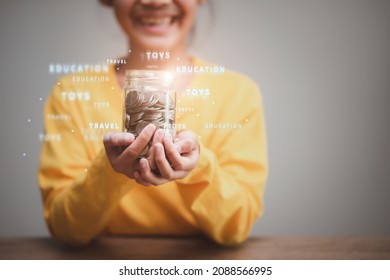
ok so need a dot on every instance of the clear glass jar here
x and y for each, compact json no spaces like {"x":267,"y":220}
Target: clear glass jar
{"x":149,"y":97}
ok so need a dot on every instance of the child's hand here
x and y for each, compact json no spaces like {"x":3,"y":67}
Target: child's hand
{"x":168,"y":160}
{"x":125,"y":160}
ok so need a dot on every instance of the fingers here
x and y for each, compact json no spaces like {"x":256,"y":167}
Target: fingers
{"x":162,"y":163}
{"x":138,"y":178}
{"x":186,"y":141}
{"x":143,"y":138}
{"x":114,"y":143}
{"x":148,"y":175}
{"x":183,"y":154}
{"x":167,"y":160}
{"x":184,"y":146}
{"x":158,"y":136}
{"x":139,"y":144}
{"x":173,"y":154}
{"x":114,"y":139}
{"x":150,"y":159}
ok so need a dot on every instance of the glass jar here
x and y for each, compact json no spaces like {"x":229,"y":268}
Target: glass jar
{"x":149,"y":97}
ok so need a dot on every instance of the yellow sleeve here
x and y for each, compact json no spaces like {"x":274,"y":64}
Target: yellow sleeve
{"x":225,"y":190}
{"x":79,"y":191}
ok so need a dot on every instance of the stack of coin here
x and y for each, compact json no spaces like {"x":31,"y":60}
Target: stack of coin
{"x":145,"y":107}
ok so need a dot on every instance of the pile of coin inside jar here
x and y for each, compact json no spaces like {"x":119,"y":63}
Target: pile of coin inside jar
{"x":148,"y":101}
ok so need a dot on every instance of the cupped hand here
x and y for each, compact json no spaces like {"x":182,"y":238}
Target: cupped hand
{"x":123,"y":150}
{"x":168,"y":160}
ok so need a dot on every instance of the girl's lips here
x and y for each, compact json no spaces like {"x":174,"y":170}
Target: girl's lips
{"x":156,"y":24}
{"x":155,"y":20}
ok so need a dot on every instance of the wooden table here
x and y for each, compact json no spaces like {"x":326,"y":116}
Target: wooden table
{"x":273,"y":248}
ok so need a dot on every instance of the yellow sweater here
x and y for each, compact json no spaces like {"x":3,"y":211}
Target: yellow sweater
{"x":221,"y":198}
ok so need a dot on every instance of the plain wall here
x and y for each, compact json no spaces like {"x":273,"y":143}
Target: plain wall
{"x":324,"y":70}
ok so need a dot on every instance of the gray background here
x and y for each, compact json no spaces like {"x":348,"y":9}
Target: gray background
{"x":323,"y":67}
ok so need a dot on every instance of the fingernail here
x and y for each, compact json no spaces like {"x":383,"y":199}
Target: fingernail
{"x":152,"y":125}
{"x":167,"y":140}
{"x":107,"y":137}
{"x":128,"y":137}
{"x":115,"y":137}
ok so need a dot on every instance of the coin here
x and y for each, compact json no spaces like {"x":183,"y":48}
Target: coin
{"x":144,"y":151}
{"x":161,"y":99}
{"x":132,"y":99}
{"x":127,"y":124}
{"x":148,"y":105}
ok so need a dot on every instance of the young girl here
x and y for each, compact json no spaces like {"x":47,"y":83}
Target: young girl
{"x":208,"y":180}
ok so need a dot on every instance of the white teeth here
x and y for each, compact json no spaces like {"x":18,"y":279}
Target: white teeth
{"x":155,"y":21}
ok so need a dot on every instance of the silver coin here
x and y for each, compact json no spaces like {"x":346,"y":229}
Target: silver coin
{"x":132,"y":99}
{"x":127,"y":124}
{"x":145,"y":151}
{"x":149,"y":106}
